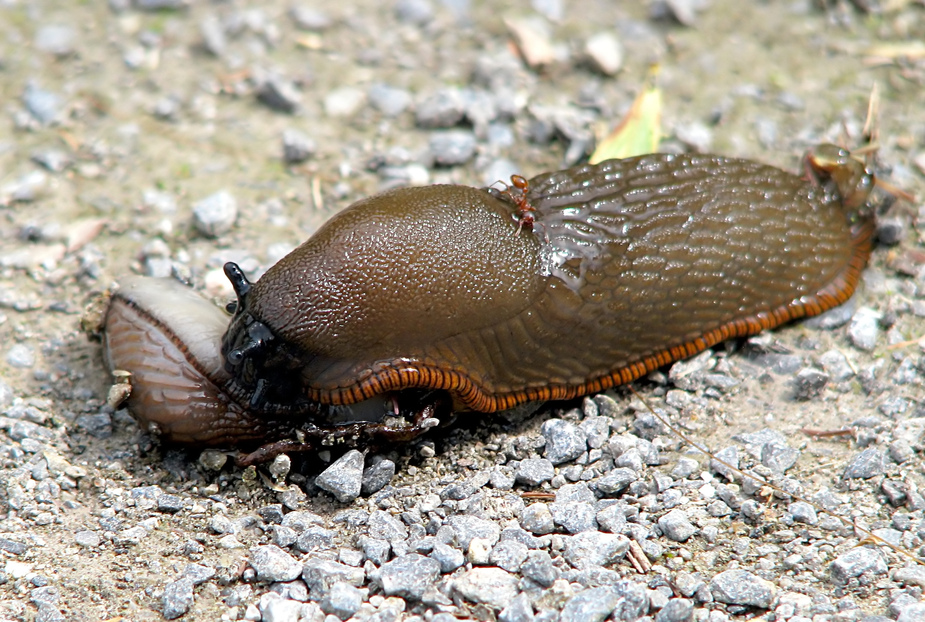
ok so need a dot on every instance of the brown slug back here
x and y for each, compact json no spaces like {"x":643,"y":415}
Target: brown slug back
{"x":631,"y":264}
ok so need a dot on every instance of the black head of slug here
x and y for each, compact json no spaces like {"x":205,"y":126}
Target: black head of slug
{"x":249,"y":347}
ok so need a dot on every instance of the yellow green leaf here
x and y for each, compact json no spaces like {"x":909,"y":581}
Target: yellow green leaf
{"x":640,"y":130}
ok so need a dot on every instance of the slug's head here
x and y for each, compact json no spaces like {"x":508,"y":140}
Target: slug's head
{"x":828,"y":165}
{"x":249,"y":347}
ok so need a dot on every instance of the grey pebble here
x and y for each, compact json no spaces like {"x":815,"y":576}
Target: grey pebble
{"x":469,"y":527}
{"x":87,"y":538}
{"x":213,"y":36}
{"x":612,"y":518}
{"x":297,"y":146}
{"x":342,"y":600}
{"x":43,"y":105}
{"x":418,"y":12}
{"x":809,"y":383}
{"x":912,"y":612}
{"x":178,"y":598}
{"x":502,"y":478}
{"x":564,"y":440}
{"x":452,"y":147}
{"x":344,"y":101}
{"x":729,"y":455}
{"x":835,"y":317}
{"x":444,"y":108}
{"x":593,"y":605}
{"x":309,"y":18}
{"x":739,"y":587}
{"x":836,"y":365}
{"x":278,"y":93}
{"x":54,"y":160}
{"x":539,"y":568}
{"x":384,"y":526}
{"x":449,"y":558}
{"x":344,"y":477}
{"x":320,"y":574}
{"x":519,"y":610}
{"x":676,"y":610}
{"x":57,"y":39}
{"x":869,"y":463}
{"x":215,"y":215}
{"x":856,"y":562}
{"x":779,"y":457}
{"x":537,"y":519}
{"x":389,"y":100}
{"x":574,"y":516}
{"x":283,"y":537}
{"x":509,"y":555}
{"x":274,"y":564}
{"x":803,"y":512}
{"x":890,"y":230}
{"x":315,"y":538}
{"x":493,"y":587}
{"x":97,"y":426}
{"x":534,"y":471}
{"x":375,"y":550}
{"x":605,"y":52}
{"x":301,"y":520}
{"x":20,"y":356}
{"x":408,"y":576}
{"x":864,"y":329}
{"x":676,"y":526}
{"x":594,"y":548}
{"x":377,"y":476}
{"x":615,"y":482}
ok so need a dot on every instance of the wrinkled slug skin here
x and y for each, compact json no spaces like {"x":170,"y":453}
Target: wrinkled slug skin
{"x":631,"y":264}
{"x":168,"y":337}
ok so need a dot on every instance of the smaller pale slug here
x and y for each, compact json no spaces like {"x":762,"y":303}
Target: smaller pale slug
{"x":426,"y":300}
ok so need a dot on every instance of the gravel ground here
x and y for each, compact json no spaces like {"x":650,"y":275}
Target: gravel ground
{"x":165,"y":137}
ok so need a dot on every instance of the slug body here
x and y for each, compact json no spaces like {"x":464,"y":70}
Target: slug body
{"x":626,"y":266}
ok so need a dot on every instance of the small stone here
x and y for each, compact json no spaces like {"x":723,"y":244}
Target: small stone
{"x":612,"y":518}
{"x":342,"y":600}
{"x":278,"y":93}
{"x":344,"y":477}
{"x":376,"y":550}
{"x":452,"y":147}
{"x":215,"y":215}
{"x":87,"y":538}
{"x":97,"y":426}
{"x":418,"y":12}
{"x":444,"y":108}
{"x":213,"y":459}
{"x":297,"y":146}
{"x":20,"y":356}
{"x":537,"y":519}
{"x":574,"y":517}
{"x":594,"y":548}
{"x":43,"y":105}
{"x":377,"y":476}
{"x":509,"y":555}
{"x":178,"y":598}
{"x":469,"y":527}
{"x":836,"y":365}
{"x":492,"y":587}
{"x":615,"y":482}
{"x":384,"y":526}
{"x":738,"y":587}
{"x":869,"y":463}
{"x":309,"y":18}
{"x":809,"y":383}
{"x":803,"y":512}
{"x":519,"y":610}
{"x":564,"y":440}
{"x":320,"y":574}
{"x":448,"y":557}
{"x":534,"y":471}
{"x":864,"y":329}
{"x":343,"y":102}
{"x":56,"y":39}
{"x":605,"y":53}
{"x":913,"y":612}
{"x":388,"y":100}
{"x":408,"y":576}
{"x":593,"y":605}
{"x":314,"y":538}
{"x":729,"y":455}
{"x":676,"y":610}
{"x":169,"y":504}
{"x":538,"y":567}
{"x":274,"y":564}
{"x":856,"y":562}
{"x":676,"y":526}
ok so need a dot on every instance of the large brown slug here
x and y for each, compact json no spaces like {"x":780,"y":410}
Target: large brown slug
{"x":563,"y":285}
